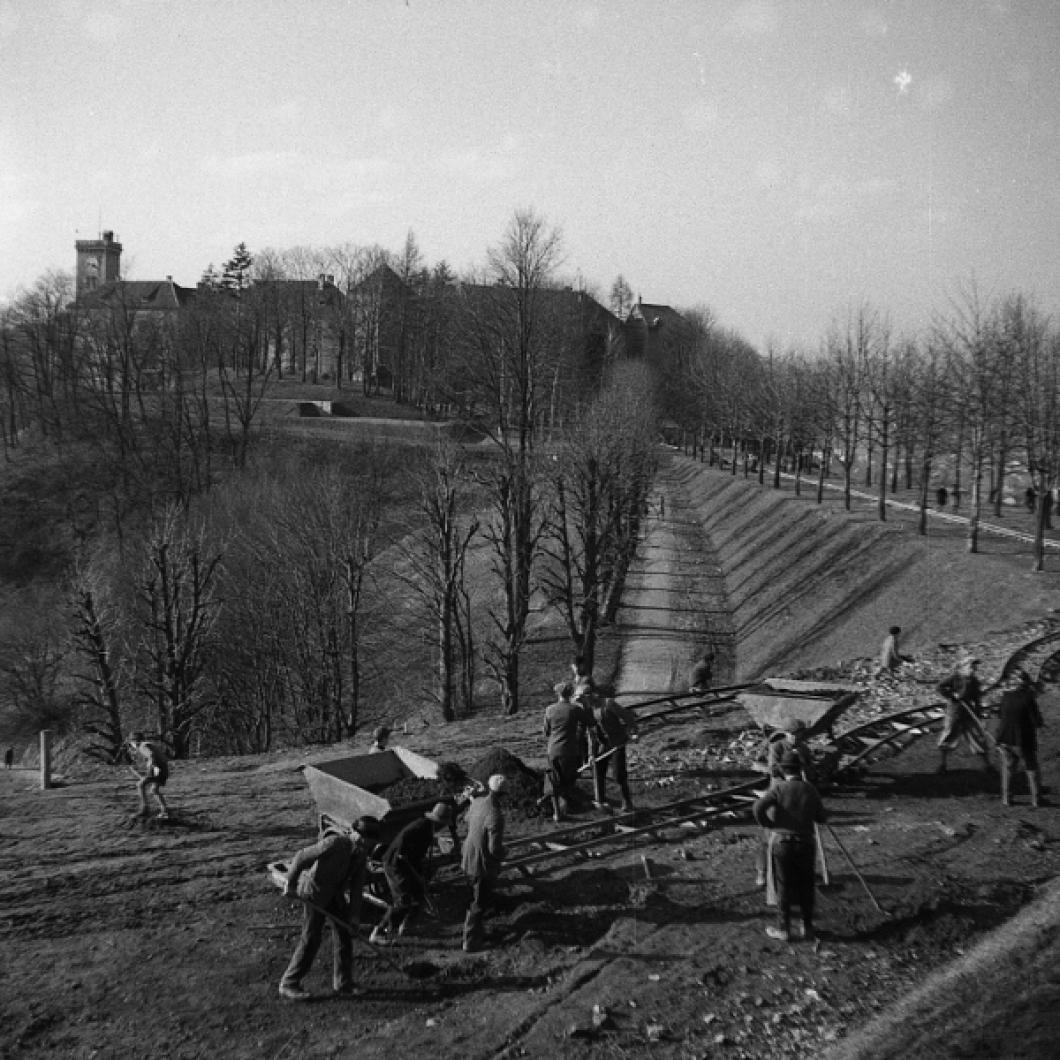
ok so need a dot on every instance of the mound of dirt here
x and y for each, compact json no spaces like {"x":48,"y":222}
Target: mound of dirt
{"x":524,"y":786}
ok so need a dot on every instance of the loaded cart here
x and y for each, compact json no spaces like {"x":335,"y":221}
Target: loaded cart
{"x":778,"y":702}
{"x":347,"y":788}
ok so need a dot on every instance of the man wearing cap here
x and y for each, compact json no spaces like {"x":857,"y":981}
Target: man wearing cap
{"x":406,"y":865}
{"x":328,"y":876}
{"x":155,"y":775}
{"x":379,"y":739}
{"x":790,"y":810}
{"x":964,"y":698}
{"x":1019,"y":719}
{"x":564,"y":726}
{"x":779,"y":744}
{"x":483,"y":855}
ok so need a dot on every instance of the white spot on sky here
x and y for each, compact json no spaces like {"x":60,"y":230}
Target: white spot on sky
{"x":903,"y":79}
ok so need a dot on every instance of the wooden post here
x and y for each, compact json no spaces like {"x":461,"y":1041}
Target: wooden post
{"x":45,"y":759}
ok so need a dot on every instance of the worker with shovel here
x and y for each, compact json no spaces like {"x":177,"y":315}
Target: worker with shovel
{"x":790,"y":810}
{"x":406,"y":864}
{"x":613,"y":726}
{"x":328,"y":877}
{"x":155,"y":774}
{"x":964,"y":696}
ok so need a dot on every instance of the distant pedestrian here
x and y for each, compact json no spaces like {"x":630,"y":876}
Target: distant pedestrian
{"x":1019,"y":719}
{"x":483,"y":857}
{"x":406,"y":865}
{"x":1030,"y":499}
{"x":329,"y":877}
{"x":791,"y":810}
{"x":9,"y":757}
{"x":380,"y":737}
{"x":613,"y":726}
{"x":964,"y":698}
{"x":941,"y":497}
{"x":890,"y":657}
{"x":564,"y":726}
{"x":155,"y":774}
{"x":702,"y":675}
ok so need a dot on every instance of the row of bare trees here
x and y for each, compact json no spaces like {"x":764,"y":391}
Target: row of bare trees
{"x":963,"y":406}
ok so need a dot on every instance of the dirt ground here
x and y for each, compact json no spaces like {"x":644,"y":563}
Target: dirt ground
{"x":166,"y":939}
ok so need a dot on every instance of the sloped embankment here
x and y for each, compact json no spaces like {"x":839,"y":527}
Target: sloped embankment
{"x":812,"y":585}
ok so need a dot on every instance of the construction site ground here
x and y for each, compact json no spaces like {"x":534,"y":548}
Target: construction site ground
{"x":166,"y":939}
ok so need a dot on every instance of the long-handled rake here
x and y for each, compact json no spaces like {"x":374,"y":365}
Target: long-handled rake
{"x":857,"y":872}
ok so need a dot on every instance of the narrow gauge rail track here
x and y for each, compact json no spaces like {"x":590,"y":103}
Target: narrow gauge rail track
{"x":582,"y":840}
{"x":855,"y":749}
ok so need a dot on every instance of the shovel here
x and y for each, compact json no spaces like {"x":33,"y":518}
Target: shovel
{"x":850,"y":861}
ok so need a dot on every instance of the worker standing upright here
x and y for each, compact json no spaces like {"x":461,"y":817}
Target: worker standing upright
{"x":790,"y":810}
{"x":483,"y":856}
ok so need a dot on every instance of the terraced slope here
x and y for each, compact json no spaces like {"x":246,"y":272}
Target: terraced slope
{"x":807,"y":585}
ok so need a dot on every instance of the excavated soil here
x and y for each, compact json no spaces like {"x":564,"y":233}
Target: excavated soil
{"x":166,"y":938}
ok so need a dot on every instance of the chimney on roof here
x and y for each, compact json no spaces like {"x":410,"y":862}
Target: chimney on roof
{"x":108,"y":236}
{"x":169,"y":278}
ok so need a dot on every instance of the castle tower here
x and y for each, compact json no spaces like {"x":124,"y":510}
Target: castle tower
{"x":98,"y":262}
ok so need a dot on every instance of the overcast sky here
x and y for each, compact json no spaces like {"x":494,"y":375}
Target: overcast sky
{"x":778,"y":162}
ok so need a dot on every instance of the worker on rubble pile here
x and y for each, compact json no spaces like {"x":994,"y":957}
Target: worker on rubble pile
{"x":778,"y":744}
{"x":964,"y":700}
{"x":406,"y":865}
{"x":564,"y":727}
{"x":791,"y":809}
{"x":612,"y":728}
{"x":329,"y":876}
{"x":890,"y":657}
{"x":1019,"y":719}
{"x":155,"y":774}
{"x":483,"y":856}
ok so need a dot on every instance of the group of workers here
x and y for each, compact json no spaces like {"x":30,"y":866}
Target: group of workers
{"x":330,"y":875}
{"x":586,"y":728}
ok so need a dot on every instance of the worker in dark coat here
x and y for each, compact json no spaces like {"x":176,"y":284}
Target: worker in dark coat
{"x":964,"y":700}
{"x":406,"y":865}
{"x":483,"y":857}
{"x":564,"y":725}
{"x":790,"y":810}
{"x":155,"y":772}
{"x":1019,"y":719}
{"x":328,"y":876}
{"x":777,"y":745}
{"x":613,"y":726}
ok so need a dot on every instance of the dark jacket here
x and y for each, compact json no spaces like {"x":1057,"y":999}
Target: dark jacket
{"x":410,"y":847}
{"x":790,"y":807}
{"x":613,"y":725}
{"x":321,"y":871}
{"x":1019,"y":719}
{"x":564,"y":722}
{"x":484,"y":845}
